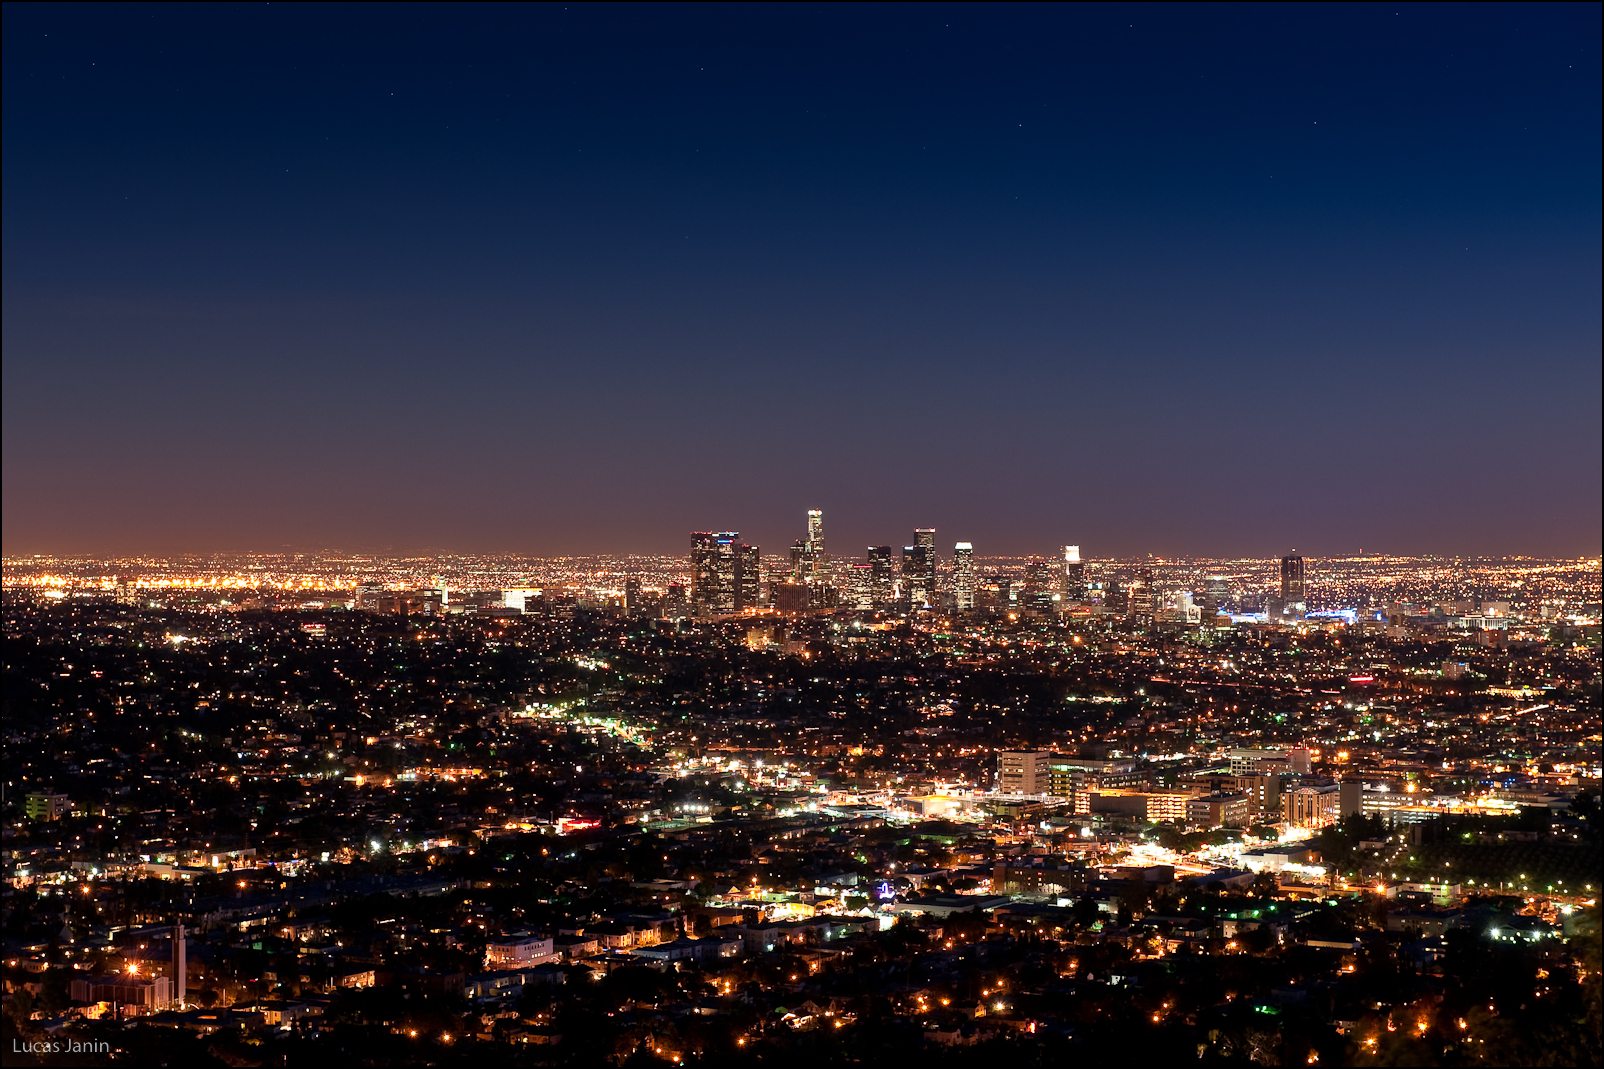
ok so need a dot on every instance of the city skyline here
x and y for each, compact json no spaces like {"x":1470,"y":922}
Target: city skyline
{"x":706,"y":536}
{"x":1215,"y":279}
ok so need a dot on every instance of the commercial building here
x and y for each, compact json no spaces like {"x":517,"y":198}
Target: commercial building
{"x":725,"y":573}
{"x":1074,"y":574}
{"x":1220,"y":810}
{"x":1293,"y":600}
{"x":963,"y":576}
{"x":882,"y":578}
{"x":1312,"y":805}
{"x":1023,"y":771}
{"x":919,"y":569}
{"x":1293,"y":760}
{"x":518,"y":951}
{"x":42,"y":805}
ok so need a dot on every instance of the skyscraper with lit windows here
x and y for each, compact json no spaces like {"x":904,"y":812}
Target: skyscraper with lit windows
{"x":919,"y":569}
{"x":1074,"y":574}
{"x":1292,"y":593}
{"x":725,"y":573}
{"x":882,"y":577}
{"x":963,"y":576}
{"x":808,"y":564}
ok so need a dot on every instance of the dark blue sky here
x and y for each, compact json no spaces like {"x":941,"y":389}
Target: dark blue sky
{"x":1168,"y":279}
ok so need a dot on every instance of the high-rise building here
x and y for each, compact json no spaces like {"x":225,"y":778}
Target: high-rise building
{"x":790,"y":596}
{"x":676,"y":602}
{"x":712,"y":572}
{"x":1292,"y":581}
{"x":725,"y":573}
{"x":919,"y":569}
{"x":882,"y":578}
{"x":807,"y":554}
{"x":860,"y":586}
{"x":1074,"y":574}
{"x":1140,"y":593}
{"x":801,"y":561}
{"x":1116,"y":599}
{"x":1217,"y":592}
{"x":963,"y":576}
{"x":632,"y":596}
{"x":748,"y":577}
{"x":1039,"y":586}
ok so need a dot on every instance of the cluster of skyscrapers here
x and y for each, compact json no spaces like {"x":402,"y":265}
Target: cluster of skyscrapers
{"x":726,"y":576}
{"x":726,"y":573}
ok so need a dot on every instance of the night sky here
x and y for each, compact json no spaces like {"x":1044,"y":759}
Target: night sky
{"x":1191,"y":279}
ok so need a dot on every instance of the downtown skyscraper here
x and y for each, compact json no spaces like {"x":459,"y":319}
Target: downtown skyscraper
{"x":882,"y":578}
{"x":725,"y":573}
{"x":808,"y":561}
{"x":963,"y":576}
{"x":1074,"y":574}
{"x":1292,"y":591}
{"x":919,"y":569}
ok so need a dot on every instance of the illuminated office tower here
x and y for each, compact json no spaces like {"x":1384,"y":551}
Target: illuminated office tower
{"x":919,"y":569}
{"x":725,"y":573}
{"x":1139,"y":595}
{"x":963,"y":576}
{"x":712,"y":572}
{"x":1116,"y":598}
{"x":807,"y":554}
{"x":816,"y":533}
{"x":801,"y":561}
{"x":882,"y":578}
{"x":1292,"y":596}
{"x":676,"y":602}
{"x":1291,"y":578}
{"x":860,"y":586}
{"x":748,"y":577}
{"x":925,"y":539}
{"x":632,"y":598}
{"x":1074,"y":574}
{"x":1218,"y":593}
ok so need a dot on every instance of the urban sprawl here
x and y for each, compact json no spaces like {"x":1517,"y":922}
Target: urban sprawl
{"x":729,"y":808}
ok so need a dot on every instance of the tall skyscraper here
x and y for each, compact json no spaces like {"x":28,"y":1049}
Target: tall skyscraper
{"x":748,"y":577}
{"x":725,"y":575}
{"x":1292,"y":581}
{"x":963,"y":576}
{"x":807,"y":554}
{"x":1074,"y":574}
{"x":919,"y":569}
{"x":801,"y":561}
{"x":1140,"y":594}
{"x":882,"y":577}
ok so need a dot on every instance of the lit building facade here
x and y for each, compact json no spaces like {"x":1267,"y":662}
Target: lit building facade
{"x":725,"y":573}
{"x":963,"y":576}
